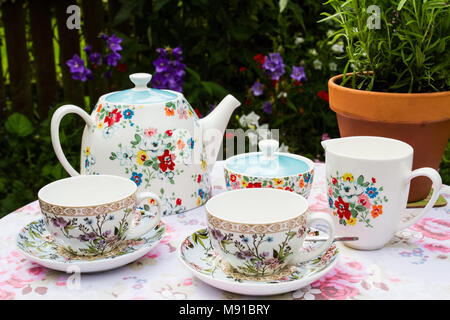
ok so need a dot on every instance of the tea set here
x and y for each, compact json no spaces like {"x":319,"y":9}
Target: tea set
{"x":145,"y":150}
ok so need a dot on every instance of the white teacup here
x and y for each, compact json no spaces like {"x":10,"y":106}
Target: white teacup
{"x":260,"y":231}
{"x":368,"y":184}
{"x":93,"y":214}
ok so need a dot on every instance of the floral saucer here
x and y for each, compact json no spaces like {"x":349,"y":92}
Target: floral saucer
{"x":197,"y":254}
{"x":39,"y":246}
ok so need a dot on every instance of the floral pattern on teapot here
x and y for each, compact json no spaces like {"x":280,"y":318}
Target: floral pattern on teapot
{"x":353,"y":200}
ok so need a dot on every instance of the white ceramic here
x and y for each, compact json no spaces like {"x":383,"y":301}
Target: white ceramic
{"x":39,"y":246}
{"x":93,"y":214}
{"x":269,"y":169}
{"x":261,"y":231}
{"x":152,"y":137}
{"x":368,"y":183}
{"x":197,"y":254}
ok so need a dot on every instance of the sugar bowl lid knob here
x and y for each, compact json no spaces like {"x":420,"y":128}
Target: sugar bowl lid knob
{"x":140,"y":80}
{"x":268,"y":148}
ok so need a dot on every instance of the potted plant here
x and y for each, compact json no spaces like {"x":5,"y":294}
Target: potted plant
{"x":396,"y":81}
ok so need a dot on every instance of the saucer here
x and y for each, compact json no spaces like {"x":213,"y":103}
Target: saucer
{"x":39,"y":246}
{"x":197,"y":254}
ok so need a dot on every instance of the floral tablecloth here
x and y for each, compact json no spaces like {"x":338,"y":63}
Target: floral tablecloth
{"x":414,"y":265}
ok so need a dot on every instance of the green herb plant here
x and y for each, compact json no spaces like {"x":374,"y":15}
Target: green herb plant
{"x":392,"y":45}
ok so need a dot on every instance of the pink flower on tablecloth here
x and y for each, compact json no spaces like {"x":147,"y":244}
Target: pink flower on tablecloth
{"x":433,"y":228}
{"x":36,"y":270}
{"x":15,"y":282}
{"x":342,"y":282}
{"x":437,"y":247}
{"x":6,"y":295}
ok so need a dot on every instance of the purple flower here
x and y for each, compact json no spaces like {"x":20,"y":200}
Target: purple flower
{"x":76,"y":64}
{"x":112,"y":59}
{"x":169,"y":72}
{"x":59,"y":222}
{"x":257,"y":88}
{"x":273,"y":66}
{"x":83,"y":75}
{"x":95,"y":58}
{"x":161,"y":64}
{"x":267,"y":107}
{"x":298,"y":73}
{"x":217,"y":234}
{"x":88,"y":49}
{"x":177,"y":53}
{"x":114,"y":43}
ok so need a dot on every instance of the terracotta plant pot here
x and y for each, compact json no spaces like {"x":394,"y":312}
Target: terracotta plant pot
{"x":419,"y":119}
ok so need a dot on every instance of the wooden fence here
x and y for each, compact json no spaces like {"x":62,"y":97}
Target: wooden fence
{"x":29,"y":79}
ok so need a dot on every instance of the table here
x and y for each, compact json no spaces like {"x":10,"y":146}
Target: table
{"x":414,"y":265}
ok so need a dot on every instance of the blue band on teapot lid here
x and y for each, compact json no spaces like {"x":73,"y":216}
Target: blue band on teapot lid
{"x":140,"y":94}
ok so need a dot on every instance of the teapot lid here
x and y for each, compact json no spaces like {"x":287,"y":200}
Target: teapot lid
{"x":268,"y":163}
{"x":140,"y":94}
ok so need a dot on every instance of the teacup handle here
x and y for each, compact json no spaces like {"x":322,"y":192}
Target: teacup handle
{"x":143,"y":228}
{"x":54,"y":129}
{"x":312,"y":217}
{"x":434,"y":176}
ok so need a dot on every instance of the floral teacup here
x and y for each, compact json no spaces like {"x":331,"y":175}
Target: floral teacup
{"x":261,"y":231}
{"x":93,"y":214}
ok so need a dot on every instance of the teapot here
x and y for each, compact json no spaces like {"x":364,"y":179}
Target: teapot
{"x":152,"y":137}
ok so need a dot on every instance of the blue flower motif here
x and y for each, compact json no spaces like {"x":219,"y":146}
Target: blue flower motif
{"x":136,"y":177}
{"x":330,"y":202}
{"x":190,"y":143}
{"x":306,"y":177}
{"x":86,"y":163}
{"x":127,"y":114}
{"x":201,"y":193}
{"x":371,"y":192}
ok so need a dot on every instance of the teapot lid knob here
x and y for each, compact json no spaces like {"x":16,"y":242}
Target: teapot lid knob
{"x":268,"y":147}
{"x":140,"y":80}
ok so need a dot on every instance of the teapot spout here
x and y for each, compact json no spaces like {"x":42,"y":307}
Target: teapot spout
{"x":214,"y":125}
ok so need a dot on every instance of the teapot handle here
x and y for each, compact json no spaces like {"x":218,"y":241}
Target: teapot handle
{"x":54,"y":128}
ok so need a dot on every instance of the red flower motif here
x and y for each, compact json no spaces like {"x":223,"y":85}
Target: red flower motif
{"x":197,"y":112}
{"x":178,"y":202}
{"x":334,"y":180}
{"x":323,"y":95}
{"x":374,"y":180}
{"x":233,"y":178}
{"x":259,"y":59}
{"x":166,"y":161}
{"x":254,"y":185}
{"x":342,"y":208}
{"x":169,"y":133}
{"x":199,"y":178}
{"x":113,"y":117}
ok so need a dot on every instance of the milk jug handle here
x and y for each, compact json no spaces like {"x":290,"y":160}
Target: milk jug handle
{"x":434,"y":176}
{"x":54,"y":129}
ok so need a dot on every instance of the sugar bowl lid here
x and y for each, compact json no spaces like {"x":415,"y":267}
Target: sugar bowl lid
{"x":140,"y":94}
{"x":267,"y":163}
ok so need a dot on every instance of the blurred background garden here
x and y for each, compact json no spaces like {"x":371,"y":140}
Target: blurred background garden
{"x":272,"y":55}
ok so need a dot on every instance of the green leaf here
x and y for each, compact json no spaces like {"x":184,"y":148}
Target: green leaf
{"x":360,"y":180}
{"x":400,"y":5}
{"x":19,"y":125}
{"x":282,"y":4}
